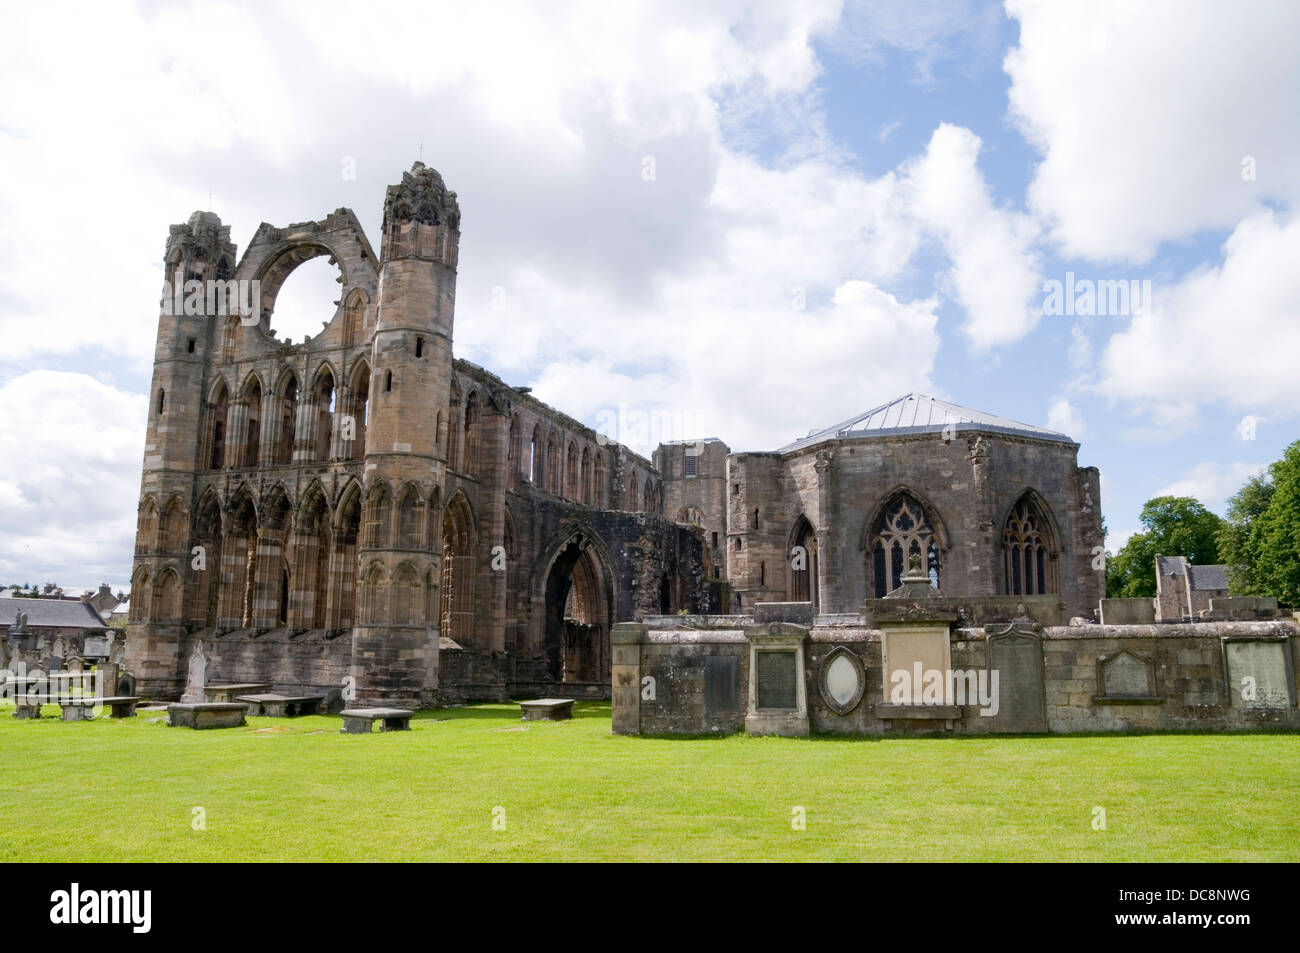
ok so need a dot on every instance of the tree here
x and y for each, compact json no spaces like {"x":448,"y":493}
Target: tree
{"x":1235,"y":544}
{"x":1174,"y":526}
{"x":1264,"y":530}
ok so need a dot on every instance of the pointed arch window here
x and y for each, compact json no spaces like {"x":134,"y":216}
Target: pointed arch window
{"x":903,"y":530}
{"x":1029,"y":551}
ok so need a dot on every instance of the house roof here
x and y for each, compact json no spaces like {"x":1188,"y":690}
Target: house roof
{"x":52,"y":613}
{"x":1208,"y":577}
{"x":1201,"y":578}
{"x":1171,"y":565}
{"x":916,"y":413}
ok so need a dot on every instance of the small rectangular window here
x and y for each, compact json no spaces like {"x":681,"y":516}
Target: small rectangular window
{"x":419,"y":347}
{"x":690,"y":464}
{"x":189,"y":346}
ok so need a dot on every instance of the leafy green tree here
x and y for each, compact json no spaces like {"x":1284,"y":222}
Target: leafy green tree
{"x":1173,"y":526}
{"x":1236,"y":546}
{"x":1267,"y":530}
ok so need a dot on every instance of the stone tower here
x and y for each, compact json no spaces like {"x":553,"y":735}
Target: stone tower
{"x":198,"y":255}
{"x":395,"y":649}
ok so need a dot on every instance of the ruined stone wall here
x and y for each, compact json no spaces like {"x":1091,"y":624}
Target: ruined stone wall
{"x":1192,"y":691}
{"x":325,"y":480}
{"x":306,"y":663}
{"x":757,"y":528}
{"x":1171,"y":597}
{"x":703,"y":495}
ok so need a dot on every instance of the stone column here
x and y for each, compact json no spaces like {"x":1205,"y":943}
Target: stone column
{"x":269,"y":439}
{"x":340,"y":448}
{"x":266,"y":583}
{"x":232,"y":569}
{"x":304,"y":431}
{"x":494,"y":432}
{"x":626,"y":639}
{"x":236,"y":433}
{"x":981,"y":570}
{"x":829,"y":581}
{"x":302,"y":598}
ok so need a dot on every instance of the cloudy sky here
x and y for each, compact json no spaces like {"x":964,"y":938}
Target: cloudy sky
{"x":755,"y":219}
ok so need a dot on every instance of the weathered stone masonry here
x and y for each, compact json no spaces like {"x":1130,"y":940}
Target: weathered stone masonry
{"x":361,"y":512}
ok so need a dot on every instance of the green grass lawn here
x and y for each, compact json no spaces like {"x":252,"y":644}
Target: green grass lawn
{"x":297,"y":789}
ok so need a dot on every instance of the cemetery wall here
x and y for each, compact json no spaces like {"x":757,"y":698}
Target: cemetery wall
{"x":1164,"y":678}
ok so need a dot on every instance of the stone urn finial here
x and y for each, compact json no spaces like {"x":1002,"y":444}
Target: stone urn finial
{"x":915,"y":571}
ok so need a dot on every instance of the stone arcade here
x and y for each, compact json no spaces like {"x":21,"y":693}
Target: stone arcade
{"x":364,"y":517}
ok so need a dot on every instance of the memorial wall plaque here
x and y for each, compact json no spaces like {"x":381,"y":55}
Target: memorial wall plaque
{"x":1260,"y":674}
{"x":842,"y":680}
{"x":1126,"y":676}
{"x":776,"y":680}
{"x":1015,"y":652}
{"x":722,"y":683}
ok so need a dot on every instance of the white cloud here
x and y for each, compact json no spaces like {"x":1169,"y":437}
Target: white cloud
{"x":1065,"y":418}
{"x":73,"y":449}
{"x":1144,"y":111}
{"x":995,"y":270}
{"x":1212,"y":482}
{"x":1208,"y":338}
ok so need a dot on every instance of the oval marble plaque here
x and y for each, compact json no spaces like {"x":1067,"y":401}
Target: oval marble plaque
{"x":842,"y":680}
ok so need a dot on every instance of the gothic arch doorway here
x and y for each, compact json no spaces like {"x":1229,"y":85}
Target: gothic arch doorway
{"x":578,"y":613}
{"x":803,"y":563}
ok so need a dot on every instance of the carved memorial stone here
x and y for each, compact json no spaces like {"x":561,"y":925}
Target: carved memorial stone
{"x":1014,"y":650}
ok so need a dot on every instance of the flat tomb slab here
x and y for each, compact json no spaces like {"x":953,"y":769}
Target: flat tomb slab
{"x":227,"y":693}
{"x":547,"y":709}
{"x":207,"y":714}
{"x":282,"y":706}
{"x":121,"y":706}
{"x":361,"y":721}
{"x":81,"y":709}
{"x":937,"y":712}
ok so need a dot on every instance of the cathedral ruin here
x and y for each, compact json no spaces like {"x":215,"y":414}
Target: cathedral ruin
{"x":363,"y":513}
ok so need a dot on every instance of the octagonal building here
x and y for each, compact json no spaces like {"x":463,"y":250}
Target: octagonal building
{"x":995,"y":507}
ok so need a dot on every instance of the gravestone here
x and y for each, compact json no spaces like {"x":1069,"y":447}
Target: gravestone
{"x":116,"y":650}
{"x":96,"y":647}
{"x":915,"y":640}
{"x":721,"y":683}
{"x":778,"y":698}
{"x":1015,"y":651}
{"x":1126,"y":677}
{"x":196,"y":677}
{"x":1260,"y":673}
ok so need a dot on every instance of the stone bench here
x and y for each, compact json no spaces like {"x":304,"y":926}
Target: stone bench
{"x":81,"y":709}
{"x":207,"y":714}
{"x":547,"y":709}
{"x":282,"y":706}
{"x":891,"y":712}
{"x":361,"y":721}
{"x":228,"y":693}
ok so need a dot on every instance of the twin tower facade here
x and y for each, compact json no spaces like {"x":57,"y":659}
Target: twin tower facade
{"x":361,"y":514}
